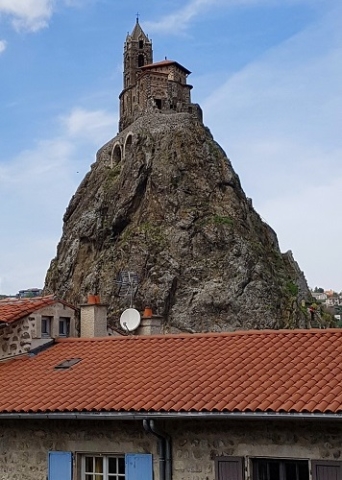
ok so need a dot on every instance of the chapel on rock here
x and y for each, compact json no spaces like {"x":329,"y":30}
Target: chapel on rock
{"x":148,"y":86}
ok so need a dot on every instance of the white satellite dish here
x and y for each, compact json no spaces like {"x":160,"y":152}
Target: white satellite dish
{"x":130,"y":319}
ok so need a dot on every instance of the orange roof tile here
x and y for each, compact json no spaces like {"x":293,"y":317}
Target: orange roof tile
{"x":16,"y":308}
{"x":251,"y":371}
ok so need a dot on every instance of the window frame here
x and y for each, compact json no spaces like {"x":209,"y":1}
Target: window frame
{"x":66,"y":322}
{"x":281,"y":462}
{"x":324,"y":463}
{"x":46,"y":332}
{"x":237,"y":462}
{"x":105,"y":475}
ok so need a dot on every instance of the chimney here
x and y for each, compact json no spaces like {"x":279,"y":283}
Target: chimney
{"x":150,"y":324}
{"x":93,"y":318}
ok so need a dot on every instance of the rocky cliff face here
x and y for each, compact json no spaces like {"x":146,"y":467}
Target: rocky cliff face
{"x":162,"y":200}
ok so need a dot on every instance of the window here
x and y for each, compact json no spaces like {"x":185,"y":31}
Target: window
{"x":103,"y":467}
{"x":141,"y":44}
{"x":141,"y":60}
{"x":97,"y":466}
{"x":46,"y":326}
{"x":322,"y":470}
{"x":64,"y":327}
{"x":274,"y":469}
{"x":229,"y":468}
{"x":232,"y":468}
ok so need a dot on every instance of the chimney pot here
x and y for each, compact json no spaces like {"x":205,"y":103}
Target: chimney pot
{"x":91,"y":299}
{"x":147,"y":312}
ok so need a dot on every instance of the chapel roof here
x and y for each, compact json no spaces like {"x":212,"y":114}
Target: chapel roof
{"x":283,"y":371}
{"x":165,"y":63}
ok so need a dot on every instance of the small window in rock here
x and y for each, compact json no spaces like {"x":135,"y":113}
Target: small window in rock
{"x":141,"y":44}
{"x":141,"y":60}
{"x":158,"y":103}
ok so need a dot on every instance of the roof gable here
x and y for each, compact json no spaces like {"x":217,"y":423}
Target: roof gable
{"x":266,"y":371}
{"x":14,"y":309}
{"x":165,"y":63}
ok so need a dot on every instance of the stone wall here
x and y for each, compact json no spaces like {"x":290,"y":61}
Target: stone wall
{"x":24,"y":444}
{"x":55,"y":312}
{"x":197,"y":444}
{"x":16,"y":339}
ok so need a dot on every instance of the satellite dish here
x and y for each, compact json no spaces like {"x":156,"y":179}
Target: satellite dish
{"x":130,"y":319}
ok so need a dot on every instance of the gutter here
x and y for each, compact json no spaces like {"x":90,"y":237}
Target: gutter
{"x":170,"y":415}
{"x":165,"y":451}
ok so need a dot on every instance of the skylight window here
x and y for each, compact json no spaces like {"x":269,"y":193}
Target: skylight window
{"x":67,"y":363}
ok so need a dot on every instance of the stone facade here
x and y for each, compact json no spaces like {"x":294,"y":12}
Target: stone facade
{"x":16,"y":339}
{"x":24,"y":444}
{"x":26,"y":334}
{"x":149,"y":86}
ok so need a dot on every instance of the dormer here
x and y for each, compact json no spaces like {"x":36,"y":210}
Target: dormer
{"x":29,"y":323}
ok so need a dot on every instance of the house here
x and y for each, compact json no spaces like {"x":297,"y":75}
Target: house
{"x":27,"y":323}
{"x":320,"y":296}
{"x":260,"y":405}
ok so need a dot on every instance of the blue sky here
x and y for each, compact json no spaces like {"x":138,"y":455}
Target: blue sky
{"x":267,"y":74}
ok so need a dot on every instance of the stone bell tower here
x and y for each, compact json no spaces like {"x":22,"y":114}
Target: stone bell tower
{"x":137,"y":53}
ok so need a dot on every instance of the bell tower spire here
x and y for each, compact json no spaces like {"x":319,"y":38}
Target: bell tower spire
{"x":137,"y":53}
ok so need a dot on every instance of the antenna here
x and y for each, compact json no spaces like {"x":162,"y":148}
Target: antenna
{"x":128,"y":285}
{"x":130,"y":319}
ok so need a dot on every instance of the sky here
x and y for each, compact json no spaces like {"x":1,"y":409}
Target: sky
{"x":267,"y":74}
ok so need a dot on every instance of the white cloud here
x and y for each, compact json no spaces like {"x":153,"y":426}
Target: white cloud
{"x":3,"y":46}
{"x":33,"y":15}
{"x":179,"y":20}
{"x":29,"y":15}
{"x":90,"y":124}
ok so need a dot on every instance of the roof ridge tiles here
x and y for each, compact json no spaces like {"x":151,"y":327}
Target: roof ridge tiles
{"x":187,"y":336}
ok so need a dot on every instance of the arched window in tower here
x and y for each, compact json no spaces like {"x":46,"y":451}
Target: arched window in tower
{"x":141,"y":44}
{"x":141,"y":60}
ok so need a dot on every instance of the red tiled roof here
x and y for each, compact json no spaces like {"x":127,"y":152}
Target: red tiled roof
{"x":264,"y":371}
{"x":164,"y":63}
{"x":16,"y":308}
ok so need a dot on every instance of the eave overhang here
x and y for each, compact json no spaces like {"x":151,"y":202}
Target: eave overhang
{"x":172,"y":416}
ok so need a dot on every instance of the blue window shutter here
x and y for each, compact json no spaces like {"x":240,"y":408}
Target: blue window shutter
{"x":60,"y":466}
{"x":139,"y":466}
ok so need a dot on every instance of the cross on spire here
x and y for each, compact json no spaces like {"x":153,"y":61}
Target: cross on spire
{"x":138,"y":15}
